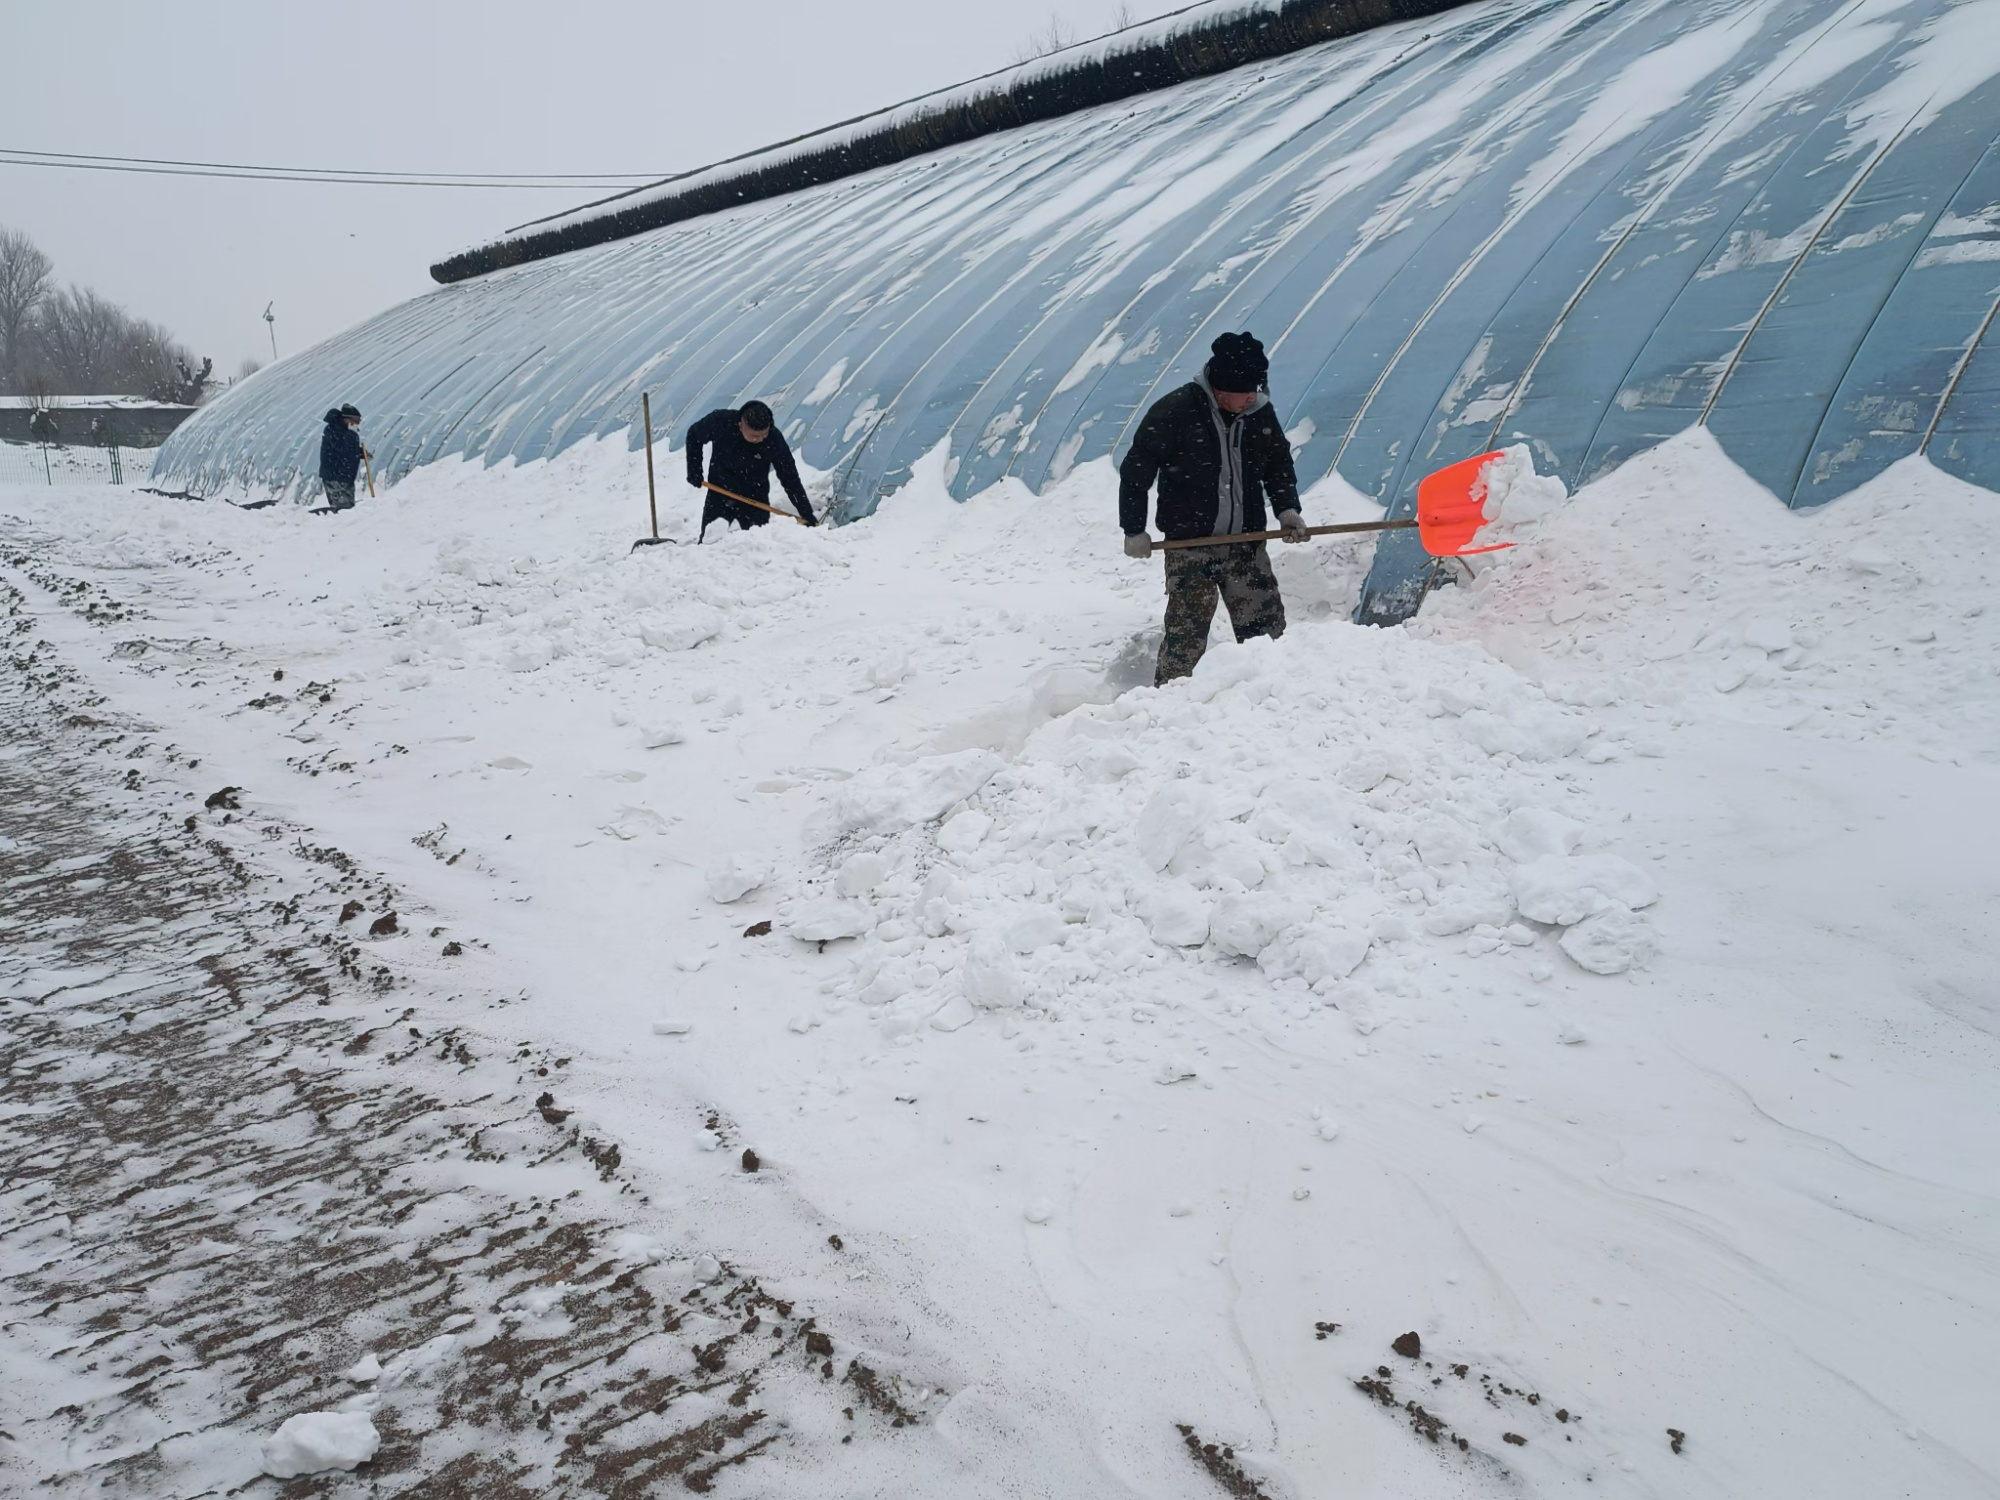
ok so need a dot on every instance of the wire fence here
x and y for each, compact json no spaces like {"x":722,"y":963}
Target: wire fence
{"x":52,"y":463}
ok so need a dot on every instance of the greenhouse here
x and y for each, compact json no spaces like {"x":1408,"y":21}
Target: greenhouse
{"x":1581,"y":224}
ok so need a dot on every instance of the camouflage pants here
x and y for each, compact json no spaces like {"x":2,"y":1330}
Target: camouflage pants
{"x":339,"y":494}
{"x":1241,"y":574}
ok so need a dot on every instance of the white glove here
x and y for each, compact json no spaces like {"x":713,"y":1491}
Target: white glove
{"x":1139,"y":545}
{"x":1293,"y":525}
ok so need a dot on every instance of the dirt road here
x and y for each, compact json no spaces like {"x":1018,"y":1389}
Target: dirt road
{"x":236,"y":1169}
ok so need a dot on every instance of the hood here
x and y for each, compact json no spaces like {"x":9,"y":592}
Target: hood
{"x":1257,"y":405}
{"x":335,"y":419}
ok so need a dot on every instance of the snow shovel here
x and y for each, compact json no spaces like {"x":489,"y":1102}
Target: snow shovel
{"x":652,"y":495}
{"x":1451,"y":508}
{"x":746,"y":500}
{"x":758,"y":504}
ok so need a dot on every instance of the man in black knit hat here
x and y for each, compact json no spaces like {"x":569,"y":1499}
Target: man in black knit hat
{"x":1217,"y":450}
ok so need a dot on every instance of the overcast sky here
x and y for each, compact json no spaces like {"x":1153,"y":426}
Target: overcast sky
{"x":419,"y":85}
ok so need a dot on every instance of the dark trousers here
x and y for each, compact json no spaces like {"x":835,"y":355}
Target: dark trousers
{"x":339,"y":493}
{"x":1241,"y":575}
{"x":722,"y":508}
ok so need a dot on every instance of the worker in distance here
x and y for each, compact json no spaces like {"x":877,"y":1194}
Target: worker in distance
{"x":340,"y":457}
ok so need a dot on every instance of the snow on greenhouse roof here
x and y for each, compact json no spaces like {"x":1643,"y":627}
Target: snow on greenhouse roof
{"x":1193,"y":42}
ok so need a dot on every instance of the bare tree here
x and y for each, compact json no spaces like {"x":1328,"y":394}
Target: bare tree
{"x":74,"y":342}
{"x":249,"y":367}
{"x":1122,"y":16}
{"x":84,"y":344}
{"x":78,"y":340}
{"x":25,"y":274}
{"x":1053,"y":37}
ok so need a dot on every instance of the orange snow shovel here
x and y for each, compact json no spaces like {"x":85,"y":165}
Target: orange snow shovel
{"x":1451,"y":507}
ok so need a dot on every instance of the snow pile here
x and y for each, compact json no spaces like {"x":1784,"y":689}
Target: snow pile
{"x":554,"y":611}
{"x":488,"y":596}
{"x":1300,"y":804}
{"x":316,"y":1441}
{"x":888,"y":801}
{"x":1679,"y":590}
{"x":1513,"y":497}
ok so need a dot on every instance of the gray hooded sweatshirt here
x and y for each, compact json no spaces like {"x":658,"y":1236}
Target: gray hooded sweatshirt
{"x":1229,"y":434}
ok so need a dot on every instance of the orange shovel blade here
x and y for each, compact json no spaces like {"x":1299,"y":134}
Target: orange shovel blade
{"x":1451,"y":507}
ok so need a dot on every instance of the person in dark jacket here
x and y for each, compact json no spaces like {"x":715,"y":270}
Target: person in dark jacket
{"x":1219,"y":455}
{"x":340,"y":457}
{"x":746,"y":447}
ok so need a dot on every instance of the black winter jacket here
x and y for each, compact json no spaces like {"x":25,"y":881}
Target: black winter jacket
{"x":1180,"y":443}
{"x":743,"y":467}
{"x":339,"y":450}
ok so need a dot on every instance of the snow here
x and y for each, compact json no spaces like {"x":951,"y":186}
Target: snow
{"x":1515,"y":495}
{"x":316,"y":1441}
{"x":1564,"y":888}
{"x":69,"y":403}
{"x":1592,"y":975}
{"x":735,"y":876}
{"x":894,"y":798}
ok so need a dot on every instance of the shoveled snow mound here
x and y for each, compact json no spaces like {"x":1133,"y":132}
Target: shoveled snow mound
{"x":1515,"y":496}
{"x":316,"y":1441}
{"x":1298,"y":804}
{"x":484,"y":600}
{"x":1677,"y":589}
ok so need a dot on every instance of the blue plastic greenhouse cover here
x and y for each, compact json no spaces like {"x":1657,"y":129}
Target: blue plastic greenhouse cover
{"x":1583,"y":224}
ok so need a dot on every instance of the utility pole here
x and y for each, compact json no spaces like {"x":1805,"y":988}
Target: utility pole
{"x":272,"y":323}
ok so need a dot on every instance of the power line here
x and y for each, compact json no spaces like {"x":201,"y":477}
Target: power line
{"x":168,"y":161}
{"x":351,"y":177}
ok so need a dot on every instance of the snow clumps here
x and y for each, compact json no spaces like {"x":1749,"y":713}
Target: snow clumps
{"x":735,"y":876}
{"x":483,"y":603}
{"x":891,"y":799}
{"x":316,"y":1441}
{"x":1596,"y":897}
{"x":1318,"y":807}
{"x":1516,"y":496}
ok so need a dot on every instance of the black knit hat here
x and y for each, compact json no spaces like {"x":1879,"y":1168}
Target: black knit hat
{"x":1239,"y":364}
{"x":349,"y":411}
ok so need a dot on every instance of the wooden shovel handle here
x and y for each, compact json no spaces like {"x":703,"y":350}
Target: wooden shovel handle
{"x":1270,"y":536}
{"x":746,"y":500}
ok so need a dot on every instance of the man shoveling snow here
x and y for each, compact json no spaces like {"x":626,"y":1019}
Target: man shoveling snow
{"x":744,"y":447}
{"x":1216,"y":448}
